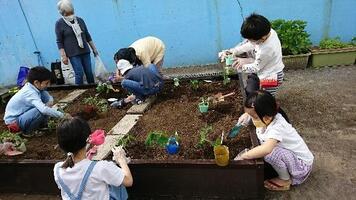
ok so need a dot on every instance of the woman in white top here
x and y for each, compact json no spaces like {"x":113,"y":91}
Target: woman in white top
{"x":264,"y":55}
{"x":145,"y":51}
{"x":80,"y":178}
{"x":281,"y":145}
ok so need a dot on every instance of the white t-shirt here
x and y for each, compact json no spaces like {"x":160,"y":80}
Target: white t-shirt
{"x":268,"y":57}
{"x":279,"y":129}
{"x":104,"y":173}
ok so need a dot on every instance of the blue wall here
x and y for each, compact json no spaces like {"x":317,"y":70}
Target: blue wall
{"x":193,"y":31}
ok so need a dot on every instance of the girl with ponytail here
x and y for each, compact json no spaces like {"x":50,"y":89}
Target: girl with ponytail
{"x":281,"y":145}
{"x":80,"y":178}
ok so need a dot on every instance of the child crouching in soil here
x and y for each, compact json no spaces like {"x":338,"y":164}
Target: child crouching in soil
{"x":281,"y":145}
{"x":80,"y":178}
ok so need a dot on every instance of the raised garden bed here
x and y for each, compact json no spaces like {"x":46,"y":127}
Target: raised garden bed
{"x":192,"y":173}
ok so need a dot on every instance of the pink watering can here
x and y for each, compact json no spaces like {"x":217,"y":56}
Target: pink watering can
{"x":97,"y":137}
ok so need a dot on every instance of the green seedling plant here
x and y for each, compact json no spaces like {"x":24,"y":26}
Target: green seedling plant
{"x":7,"y":136}
{"x":126,"y":140}
{"x":204,"y":101}
{"x":194,"y":84}
{"x":156,"y":138}
{"x":203,"y":139}
{"x":176,"y":82}
{"x":103,"y":88}
{"x":100,"y":104}
{"x":52,"y":124}
{"x":13,"y":91}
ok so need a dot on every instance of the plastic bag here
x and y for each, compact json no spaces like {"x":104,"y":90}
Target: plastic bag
{"x":68,"y":73}
{"x":100,"y":71}
{"x":22,"y":75}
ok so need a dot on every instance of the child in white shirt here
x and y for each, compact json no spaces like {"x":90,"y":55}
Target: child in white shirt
{"x":80,"y":178}
{"x":264,"y":55}
{"x":281,"y":145}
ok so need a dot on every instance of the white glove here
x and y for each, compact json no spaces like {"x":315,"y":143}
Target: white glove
{"x":238,"y":157}
{"x":244,"y":120}
{"x":119,"y":154}
{"x":223,"y":54}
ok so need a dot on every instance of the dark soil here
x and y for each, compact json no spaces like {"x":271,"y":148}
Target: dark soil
{"x":45,"y":147}
{"x":176,"y":109}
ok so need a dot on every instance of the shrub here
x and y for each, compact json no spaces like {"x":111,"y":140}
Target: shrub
{"x":294,"y":38}
{"x":335,"y":43}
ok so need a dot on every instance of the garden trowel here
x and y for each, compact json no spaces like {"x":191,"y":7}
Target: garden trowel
{"x":234,"y":131}
{"x":219,"y":97}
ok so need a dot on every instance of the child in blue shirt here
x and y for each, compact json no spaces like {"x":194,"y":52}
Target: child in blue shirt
{"x":29,"y":108}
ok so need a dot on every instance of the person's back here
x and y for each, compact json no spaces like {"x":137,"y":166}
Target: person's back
{"x":80,"y":178}
{"x":149,"y":50}
{"x":104,"y":173}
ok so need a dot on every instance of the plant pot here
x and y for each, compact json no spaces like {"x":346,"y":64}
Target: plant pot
{"x":221,"y":153}
{"x":172,"y":146}
{"x":203,"y":107}
{"x":296,"y":61}
{"x":330,"y":57}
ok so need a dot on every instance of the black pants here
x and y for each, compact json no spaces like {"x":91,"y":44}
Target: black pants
{"x":252,"y":84}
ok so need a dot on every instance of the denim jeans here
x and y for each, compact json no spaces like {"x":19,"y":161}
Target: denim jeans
{"x":138,"y":90}
{"x":82,"y":64}
{"x":32,"y":119}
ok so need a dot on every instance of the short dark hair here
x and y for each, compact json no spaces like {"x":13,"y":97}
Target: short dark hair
{"x":264,"y":104}
{"x":38,"y":73}
{"x":72,"y":134}
{"x":128,"y":54}
{"x":255,"y":27}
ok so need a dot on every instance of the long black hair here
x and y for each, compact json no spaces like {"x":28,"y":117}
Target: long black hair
{"x":72,"y":135}
{"x":264,"y":104}
{"x":128,"y":54}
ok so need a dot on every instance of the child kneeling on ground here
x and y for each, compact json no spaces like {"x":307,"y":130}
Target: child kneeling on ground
{"x":281,"y":145}
{"x":29,"y":108}
{"x":139,"y":80}
{"x":264,"y":55}
{"x":80,"y":178}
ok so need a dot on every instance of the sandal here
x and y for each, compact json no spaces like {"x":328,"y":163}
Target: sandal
{"x":270,"y":185}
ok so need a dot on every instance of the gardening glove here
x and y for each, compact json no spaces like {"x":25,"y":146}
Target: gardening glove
{"x":244,"y":120}
{"x":119,"y":155}
{"x":97,"y":137}
{"x":223,"y":54}
{"x":239,"y":156}
{"x":9,"y":149}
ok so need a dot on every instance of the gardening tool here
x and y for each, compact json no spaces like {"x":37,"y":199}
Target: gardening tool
{"x":172,"y":146}
{"x":234,"y":131}
{"x":219,"y":97}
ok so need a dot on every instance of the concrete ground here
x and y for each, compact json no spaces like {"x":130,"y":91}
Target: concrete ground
{"x":321,"y":104}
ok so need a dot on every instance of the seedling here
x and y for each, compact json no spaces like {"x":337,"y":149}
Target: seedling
{"x":124,"y":141}
{"x":7,"y":136}
{"x":102,"y":88}
{"x":156,"y":138}
{"x":204,"y":137}
{"x":194,"y":84}
{"x":100,"y":104}
{"x":203,"y":105}
{"x":176,"y":82}
{"x":13,"y":91}
{"x":226,"y":74}
{"x":52,"y":124}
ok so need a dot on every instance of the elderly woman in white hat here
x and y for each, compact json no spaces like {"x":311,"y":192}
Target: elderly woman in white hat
{"x":140,"y":81}
{"x":73,"y":41}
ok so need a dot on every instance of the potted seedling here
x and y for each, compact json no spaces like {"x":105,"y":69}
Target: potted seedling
{"x":203,"y":105}
{"x":172,"y":145}
{"x":221,"y":152}
{"x":295,"y":42}
{"x":332,"y":51}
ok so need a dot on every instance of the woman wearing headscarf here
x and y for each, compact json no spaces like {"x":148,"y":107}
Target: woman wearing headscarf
{"x":73,"y":41}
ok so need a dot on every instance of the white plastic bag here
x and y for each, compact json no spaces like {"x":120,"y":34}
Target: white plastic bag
{"x":68,"y":73}
{"x":100,"y":71}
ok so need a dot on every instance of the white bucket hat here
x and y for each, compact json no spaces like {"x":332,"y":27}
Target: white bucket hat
{"x":123,"y":66}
